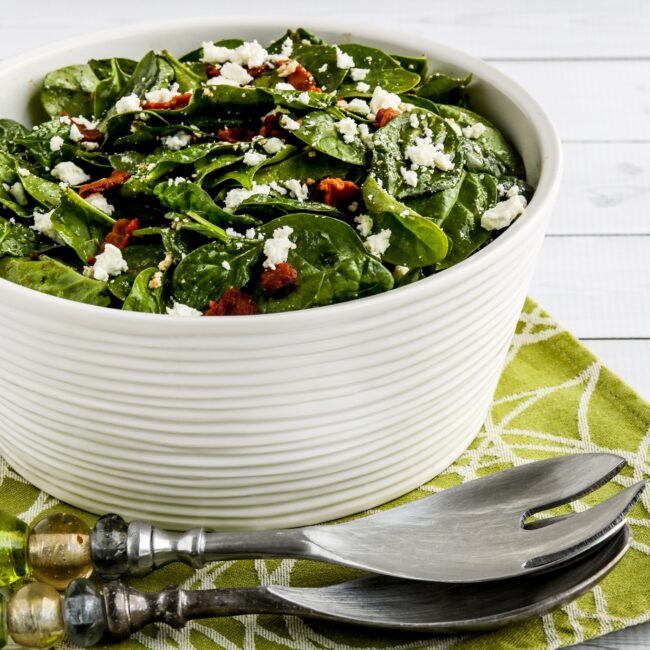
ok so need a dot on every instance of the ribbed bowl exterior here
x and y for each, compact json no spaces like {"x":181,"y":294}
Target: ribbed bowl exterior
{"x":266,"y":421}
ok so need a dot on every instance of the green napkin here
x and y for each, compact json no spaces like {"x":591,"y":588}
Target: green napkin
{"x":554,"y":398}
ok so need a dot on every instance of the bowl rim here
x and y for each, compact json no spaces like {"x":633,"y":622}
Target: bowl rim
{"x":539,"y":121}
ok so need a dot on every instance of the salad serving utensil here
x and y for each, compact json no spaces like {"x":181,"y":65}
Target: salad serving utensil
{"x":471,"y":533}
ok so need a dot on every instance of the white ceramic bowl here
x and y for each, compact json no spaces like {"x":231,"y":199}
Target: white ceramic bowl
{"x":272,"y":420}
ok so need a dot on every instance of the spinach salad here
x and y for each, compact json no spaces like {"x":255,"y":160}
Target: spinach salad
{"x":240,"y":179}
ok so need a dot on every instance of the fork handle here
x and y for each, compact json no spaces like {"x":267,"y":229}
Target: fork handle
{"x":138,"y":548}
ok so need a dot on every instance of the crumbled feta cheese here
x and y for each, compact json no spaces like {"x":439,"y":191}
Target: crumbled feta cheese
{"x":156,"y":280}
{"x":250,"y":233}
{"x":425,"y":154}
{"x":503,"y":213}
{"x":97,"y":200}
{"x":359,"y":74}
{"x":18,"y":192}
{"x":364,"y":224}
{"x":513,"y":191}
{"x":474,"y":131}
{"x":219,"y":81}
{"x":454,"y":125}
{"x":298,"y":189}
{"x":225,"y":265}
{"x":109,"y":263}
{"x":90,"y":146}
{"x":43,"y":224}
{"x":176,"y":181}
{"x":162,"y":95}
{"x":414,"y":121}
{"x":363,"y":87}
{"x":277,"y":247}
{"x":377,"y":244}
{"x":176,"y":141}
{"x":304,"y":98}
{"x":235,"y":197}
{"x":347,"y":127}
{"x":68,"y":172}
{"x":236,"y":73}
{"x":273,"y":145}
{"x":283,"y":85}
{"x":358,"y":106}
{"x":252,"y":158}
{"x":251,"y":54}
{"x":323,"y":68}
{"x":89,"y":124}
{"x":183,"y":311}
{"x":127,"y":104}
{"x":409,"y":176}
{"x":64,"y":119}
{"x":23,"y":172}
{"x":287,"y":68}
{"x":215,"y":53}
{"x":287,"y":47}
{"x":383,"y":99}
{"x":75,"y":134}
{"x":276,"y":187}
{"x":56,"y":142}
{"x":289,"y":124}
{"x":343,"y":61}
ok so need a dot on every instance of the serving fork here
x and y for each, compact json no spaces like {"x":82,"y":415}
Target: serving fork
{"x":471,"y":533}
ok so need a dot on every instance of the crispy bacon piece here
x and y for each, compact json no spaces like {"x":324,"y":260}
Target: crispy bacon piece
{"x":280,"y":281}
{"x":257,"y":71}
{"x":236,"y":134}
{"x":180,"y":101}
{"x":89,"y":135}
{"x":336,"y":192}
{"x":232,"y":303}
{"x":385,"y":115}
{"x":213,"y":71}
{"x":300,"y":78}
{"x":121,"y":233}
{"x":271,"y":126}
{"x":115,"y":181}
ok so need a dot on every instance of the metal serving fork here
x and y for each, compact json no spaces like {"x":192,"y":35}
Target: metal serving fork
{"x":471,"y":533}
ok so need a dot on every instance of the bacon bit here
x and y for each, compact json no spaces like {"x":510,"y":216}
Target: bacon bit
{"x":232,"y":303}
{"x":385,"y":115}
{"x":115,"y":181}
{"x":213,"y":71}
{"x":271,"y":127}
{"x":257,"y":71}
{"x":236,"y":134}
{"x":89,"y":135}
{"x":300,"y":78}
{"x":34,"y":256}
{"x":336,"y":192}
{"x":180,"y":101}
{"x":280,"y":281}
{"x":121,"y":233}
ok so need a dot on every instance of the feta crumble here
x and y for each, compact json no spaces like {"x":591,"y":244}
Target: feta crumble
{"x":236,"y":73}
{"x":343,"y":61}
{"x":127,"y":104}
{"x":283,"y":85}
{"x":176,"y":141}
{"x":454,"y":125}
{"x":68,"y":172}
{"x":277,"y":247}
{"x":379,"y":243}
{"x":43,"y":224}
{"x":359,"y":74}
{"x":323,"y":68}
{"x":56,"y":142}
{"x":162,"y":95}
{"x":23,"y":172}
{"x":347,"y":127}
{"x":383,"y":99}
{"x":474,"y":131}
{"x":97,"y":200}
{"x":75,"y":134}
{"x":18,"y":192}
{"x":363,"y":87}
{"x":304,"y":97}
{"x":364,"y":224}
{"x":425,"y":154}
{"x":289,"y":124}
{"x":109,"y":263}
{"x":287,"y":47}
{"x":215,"y":53}
{"x":299,"y":190}
{"x":250,"y":54}
{"x":358,"y":106}
{"x":273,"y":145}
{"x":252,"y":158}
{"x":414,"y":121}
{"x":503,"y":213}
{"x":235,"y":197}
{"x":409,"y":176}
{"x":183,"y":311}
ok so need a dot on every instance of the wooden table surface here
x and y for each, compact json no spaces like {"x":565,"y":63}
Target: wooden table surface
{"x":586,"y":61}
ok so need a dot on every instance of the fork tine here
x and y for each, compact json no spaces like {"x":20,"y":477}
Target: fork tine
{"x":575,"y":534}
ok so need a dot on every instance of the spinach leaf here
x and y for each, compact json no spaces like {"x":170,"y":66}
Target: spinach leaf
{"x":417,"y":64}
{"x":138,"y":257}
{"x":458,"y":212}
{"x":54,"y":278}
{"x":103,"y":68}
{"x":301,"y":100}
{"x":37,"y":142}
{"x":189,"y":197}
{"x":197,"y":55}
{"x":298,"y":36}
{"x":184,"y":75}
{"x":320,"y":60}
{"x":42,"y":190}
{"x":16,"y":239}
{"x":443,"y":88}
{"x":266,"y":206}
{"x":332,"y":264}
{"x":205,"y":167}
{"x":69,"y":90}
{"x":303,"y":167}
{"x":393,"y":142}
{"x":128,"y":161}
{"x":414,"y":241}
{"x":208,"y":271}
{"x":318,"y":129}
{"x":80,"y":225}
{"x":383,"y":70}
{"x":244,"y":175}
{"x":144,"y":298}
{"x":111,"y":86}
{"x":9,"y":131}
{"x":490,"y":152}
{"x":223,"y":100}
